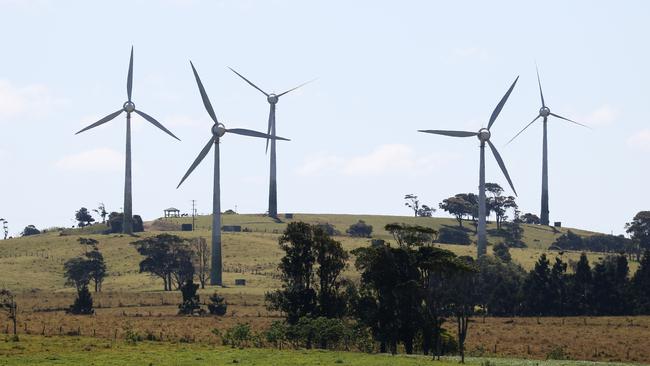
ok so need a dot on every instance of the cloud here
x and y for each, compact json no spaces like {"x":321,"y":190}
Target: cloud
{"x":601,"y":116}
{"x":30,"y":100}
{"x":383,"y":160}
{"x":96,"y":160}
{"x":640,"y":140}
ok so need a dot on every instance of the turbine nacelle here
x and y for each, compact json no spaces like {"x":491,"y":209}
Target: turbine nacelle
{"x":128,"y":106}
{"x":544,"y":111}
{"x":484,"y":134}
{"x":218,"y":130}
{"x":272,"y":98}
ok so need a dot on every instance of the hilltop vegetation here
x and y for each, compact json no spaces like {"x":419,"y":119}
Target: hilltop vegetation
{"x":36,"y":261}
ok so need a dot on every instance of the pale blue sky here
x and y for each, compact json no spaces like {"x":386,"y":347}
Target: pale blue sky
{"x":385,"y":69}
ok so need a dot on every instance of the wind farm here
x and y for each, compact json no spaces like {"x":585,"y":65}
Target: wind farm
{"x":362,"y":240}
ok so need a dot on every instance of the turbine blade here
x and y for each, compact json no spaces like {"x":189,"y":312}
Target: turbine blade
{"x":129,"y":79}
{"x":566,"y":119}
{"x":501,"y":165}
{"x":271,"y":122}
{"x":245,"y":132}
{"x":156,"y":123}
{"x":102,"y":121}
{"x":450,"y":133}
{"x":528,"y":125}
{"x":540,"y":86}
{"x":248,"y":81}
{"x":204,"y":95}
{"x":198,"y":160}
{"x":499,"y":106}
{"x":299,"y":86}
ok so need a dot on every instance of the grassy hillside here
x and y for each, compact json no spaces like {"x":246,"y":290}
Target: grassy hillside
{"x":36,"y":262}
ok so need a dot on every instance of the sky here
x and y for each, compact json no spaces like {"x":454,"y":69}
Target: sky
{"x":384,"y":70}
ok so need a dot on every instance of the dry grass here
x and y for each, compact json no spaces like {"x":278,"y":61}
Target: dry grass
{"x":624,"y":339}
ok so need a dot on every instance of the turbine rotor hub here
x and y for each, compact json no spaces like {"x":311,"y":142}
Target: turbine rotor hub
{"x":544,"y":111}
{"x":272,"y":98}
{"x":218,"y":130}
{"x":484,"y":134}
{"x":128,"y":106}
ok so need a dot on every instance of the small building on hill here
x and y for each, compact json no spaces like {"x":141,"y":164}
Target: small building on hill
{"x":172,"y":212}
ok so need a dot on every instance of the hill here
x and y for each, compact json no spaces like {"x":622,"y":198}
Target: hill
{"x":36,"y":262}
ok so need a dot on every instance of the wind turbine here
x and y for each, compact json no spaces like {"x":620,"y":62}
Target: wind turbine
{"x":544,"y":112}
{"x":483,"y":135}
{"x":128,"y":107}
{"x":273,"y":100}
{"x":218,"y":131}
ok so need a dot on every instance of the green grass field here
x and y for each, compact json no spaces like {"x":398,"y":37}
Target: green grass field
{"x":36,"y":262}
{"x":36,"y":350}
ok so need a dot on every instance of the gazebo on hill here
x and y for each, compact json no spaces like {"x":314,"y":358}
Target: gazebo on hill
{"x":172,"y":212}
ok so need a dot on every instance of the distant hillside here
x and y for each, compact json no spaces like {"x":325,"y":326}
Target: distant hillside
{"x":36,"y":262}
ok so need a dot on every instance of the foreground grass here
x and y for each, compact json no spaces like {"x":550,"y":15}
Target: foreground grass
{"x":35,"y":350}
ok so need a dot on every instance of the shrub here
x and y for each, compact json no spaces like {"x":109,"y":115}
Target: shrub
{"x":190,"y":302}
{"x":130,"y":335}
{"x":217,"y":305}
{"x":276,"y":334}
{"x":323,"y":332}
{"x":329,"y":229}
{"x":360,"y":229}
{"x":557,"y":353}
{"x":450,"y":235}
{"x":238,"y":336}
{"x":502,"y":251}
{"x":30,"y":230}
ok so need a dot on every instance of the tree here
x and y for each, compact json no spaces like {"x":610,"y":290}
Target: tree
{"x":77,"y":272}
{"x":581,"y":287}
{"x":8,"y":304}
{"x":413,"y":203}
{"x":101,"y":211}
{"x":458,"y":207}
{"x":558,"y":287}
{"x":310,"y":271}
{"x":499,"y":204}
{"x":166,"y":256}
{"x":30,"y":230}
{"x":499,"y":286}
{"x":529,"y":218}
{"x":641,"y":285}
{"x":116,"y":219}
{"x":409,"y":235}
{"x":83,"y":217}
{"x":639,"y":229}
{"x":610,"y":286}
{"x":5,"y":227}
{"x":201,"y":259}
{"x":463,"y":297}
{"x":97,"y":268}
{"x":88,"y":243}
{"x":360,"y":229}
{"x":536,"y":288}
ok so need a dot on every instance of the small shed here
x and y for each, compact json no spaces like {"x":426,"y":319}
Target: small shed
{"x":172,"y":212}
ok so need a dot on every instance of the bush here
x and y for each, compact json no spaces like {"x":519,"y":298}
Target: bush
{"x":30,"y":230}
{"x":115,"y":221}
{"x":238,"y":336}
{"x":217,"y":305}
{"x":277,"y":333}
{"x":323,"y":332}
{"x":448,"y":235}
{"x":360,"y":229}
{"x":329,"y":229}
{"x":83,"y":304}
{"x":502,"y":251}
{"x":130,"y":335}
{"x":557,"y":353}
